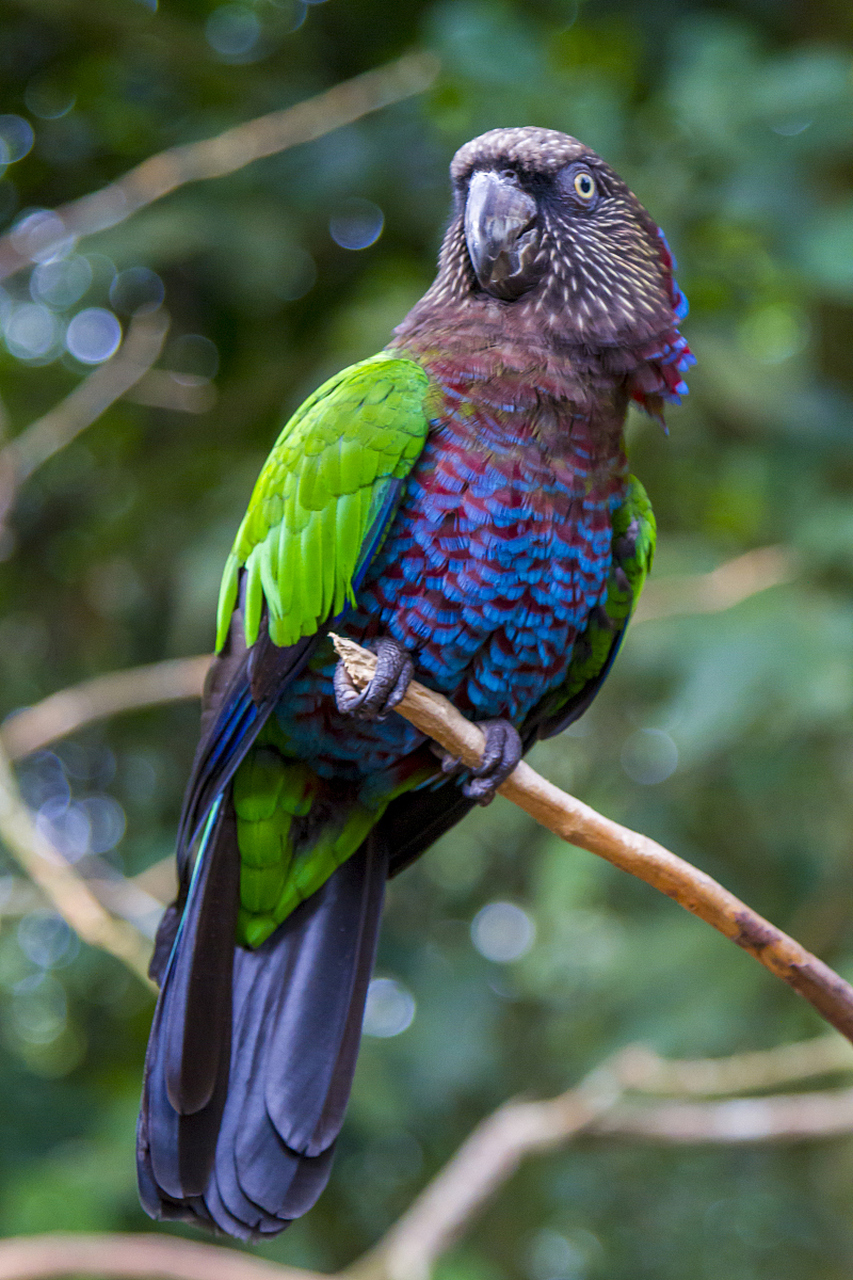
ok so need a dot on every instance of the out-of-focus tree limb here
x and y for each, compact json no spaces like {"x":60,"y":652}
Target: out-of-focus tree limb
{"x":722,"y":588}
{"x":214,"y":157}
{"x":70,"y":709}
{"x":83,"y":406}
{"x":163,"y":389}
{"x":135,"y":1257}
{"x":601,"y":1105}
{"x":580,"y":825}
{"x":783,"y":1118}
{"x":62,"y":886}
{"x":641,"y":1068}
{"x":494,"y":1150}
{"x":486,"y":1159}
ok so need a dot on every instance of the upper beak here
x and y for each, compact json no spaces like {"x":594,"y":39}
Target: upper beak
{"x":502,"y":241}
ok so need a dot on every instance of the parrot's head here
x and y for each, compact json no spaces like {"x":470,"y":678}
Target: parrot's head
{"x":543,"y":222}
{"x":548,"y":247}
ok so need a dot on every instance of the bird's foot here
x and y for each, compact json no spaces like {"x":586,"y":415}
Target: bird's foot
{"x":501,"y":753}
{"x":388,"y":685}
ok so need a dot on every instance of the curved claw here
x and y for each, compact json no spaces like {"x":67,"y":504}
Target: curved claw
{"x":501,"y":753}
{"x":392,"y":677}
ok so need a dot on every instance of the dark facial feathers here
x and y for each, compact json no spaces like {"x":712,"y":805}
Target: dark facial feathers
{"x":549,"y":248}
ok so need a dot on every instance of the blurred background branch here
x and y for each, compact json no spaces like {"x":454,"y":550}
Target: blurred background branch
{"x":599,"y":1106}
{"x":724,"y":731}
{"x":722,"y":588}
{"x":64,"y":712}
{"x":215,"y":157}
{"x":84,"y":405}
{"x":60,"y":883}
{"x":134,"y":1257}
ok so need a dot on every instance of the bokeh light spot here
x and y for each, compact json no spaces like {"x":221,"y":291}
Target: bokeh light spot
{"x":137,"y":291}
{"x":16,"y":138}
{"x":46,"y":99}
{"x":46,"y":940}
{"x":67,"y":827}
{"x":552,"y":1255}
{"x":502,"y":931}
{"x":773,"y":333}
{"x":649,"y":756}
{"x":41,"y":236}
{"x":107,"y":822}
{"x":93,"y":335}
{"x":39,"y":1010}
{"x":61,"y":283}
{"x":791,"y":128}
{"x":192,"y":358}
{"x":232,"y":30}
{"x":31,"y":331}
{"x":389,"y":1009}
{"x":356,"y":223}
{"x":41,"y":776}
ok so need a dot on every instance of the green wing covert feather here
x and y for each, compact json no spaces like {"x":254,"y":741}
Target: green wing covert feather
{"x":327,"y":478}
{"x":634,"y":533}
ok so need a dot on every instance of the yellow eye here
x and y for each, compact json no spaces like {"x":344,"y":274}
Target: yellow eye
{"x":584,"y":185}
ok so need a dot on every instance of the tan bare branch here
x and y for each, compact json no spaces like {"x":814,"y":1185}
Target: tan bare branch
{"x":727,"y":585}
{"x":83,"y":406}
{"x":226,"y":152}
{"x":163,"y":389}
{"x":62,"y":886}
{"x":642,"y":1069}
{"x":580,"y":825}
{"x":598,"y":1106}
{"x":783,"y":1118}
{"x":134,"y":1257}
{"x":70,"y":709}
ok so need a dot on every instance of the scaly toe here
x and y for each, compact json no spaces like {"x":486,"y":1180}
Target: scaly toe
{"x":391,"y":679}
{"x":501,"y":753}
{"x":347,"y":697}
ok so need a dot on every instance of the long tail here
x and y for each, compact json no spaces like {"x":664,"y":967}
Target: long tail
{"x":252,"y":1052}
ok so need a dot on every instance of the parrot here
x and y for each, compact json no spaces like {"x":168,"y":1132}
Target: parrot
{"x":460,"y":504}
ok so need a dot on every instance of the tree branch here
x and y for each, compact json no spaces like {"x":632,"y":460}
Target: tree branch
{"x":727,"y":585}
{"x":783,"y":1118}
{"x":70,"y":709}
{"x":487,"y":1157}
{"x":214,"y":157}
{"x":60,"y":883}
{"x":642,"y":1069}
{"x":494,"y":1150}
{"x":85,"y":404}
{"x":580,"y":825}
{"x":136,"y":1257}
{"x":598,"y":1106}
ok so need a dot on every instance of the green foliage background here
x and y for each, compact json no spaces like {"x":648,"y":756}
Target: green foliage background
{"x":734,"y":124}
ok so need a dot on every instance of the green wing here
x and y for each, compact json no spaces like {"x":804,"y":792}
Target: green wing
{"x":633,"y":549}
{"x":324,"y":499}
{"x":318,"y":514}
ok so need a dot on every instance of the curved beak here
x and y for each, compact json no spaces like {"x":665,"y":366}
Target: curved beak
{"x":500,"y":234}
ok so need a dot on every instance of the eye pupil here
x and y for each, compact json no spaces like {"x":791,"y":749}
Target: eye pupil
{"x":585,"y":186}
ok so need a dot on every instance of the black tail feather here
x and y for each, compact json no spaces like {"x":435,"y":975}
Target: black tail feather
{"x":256,"y":1149}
